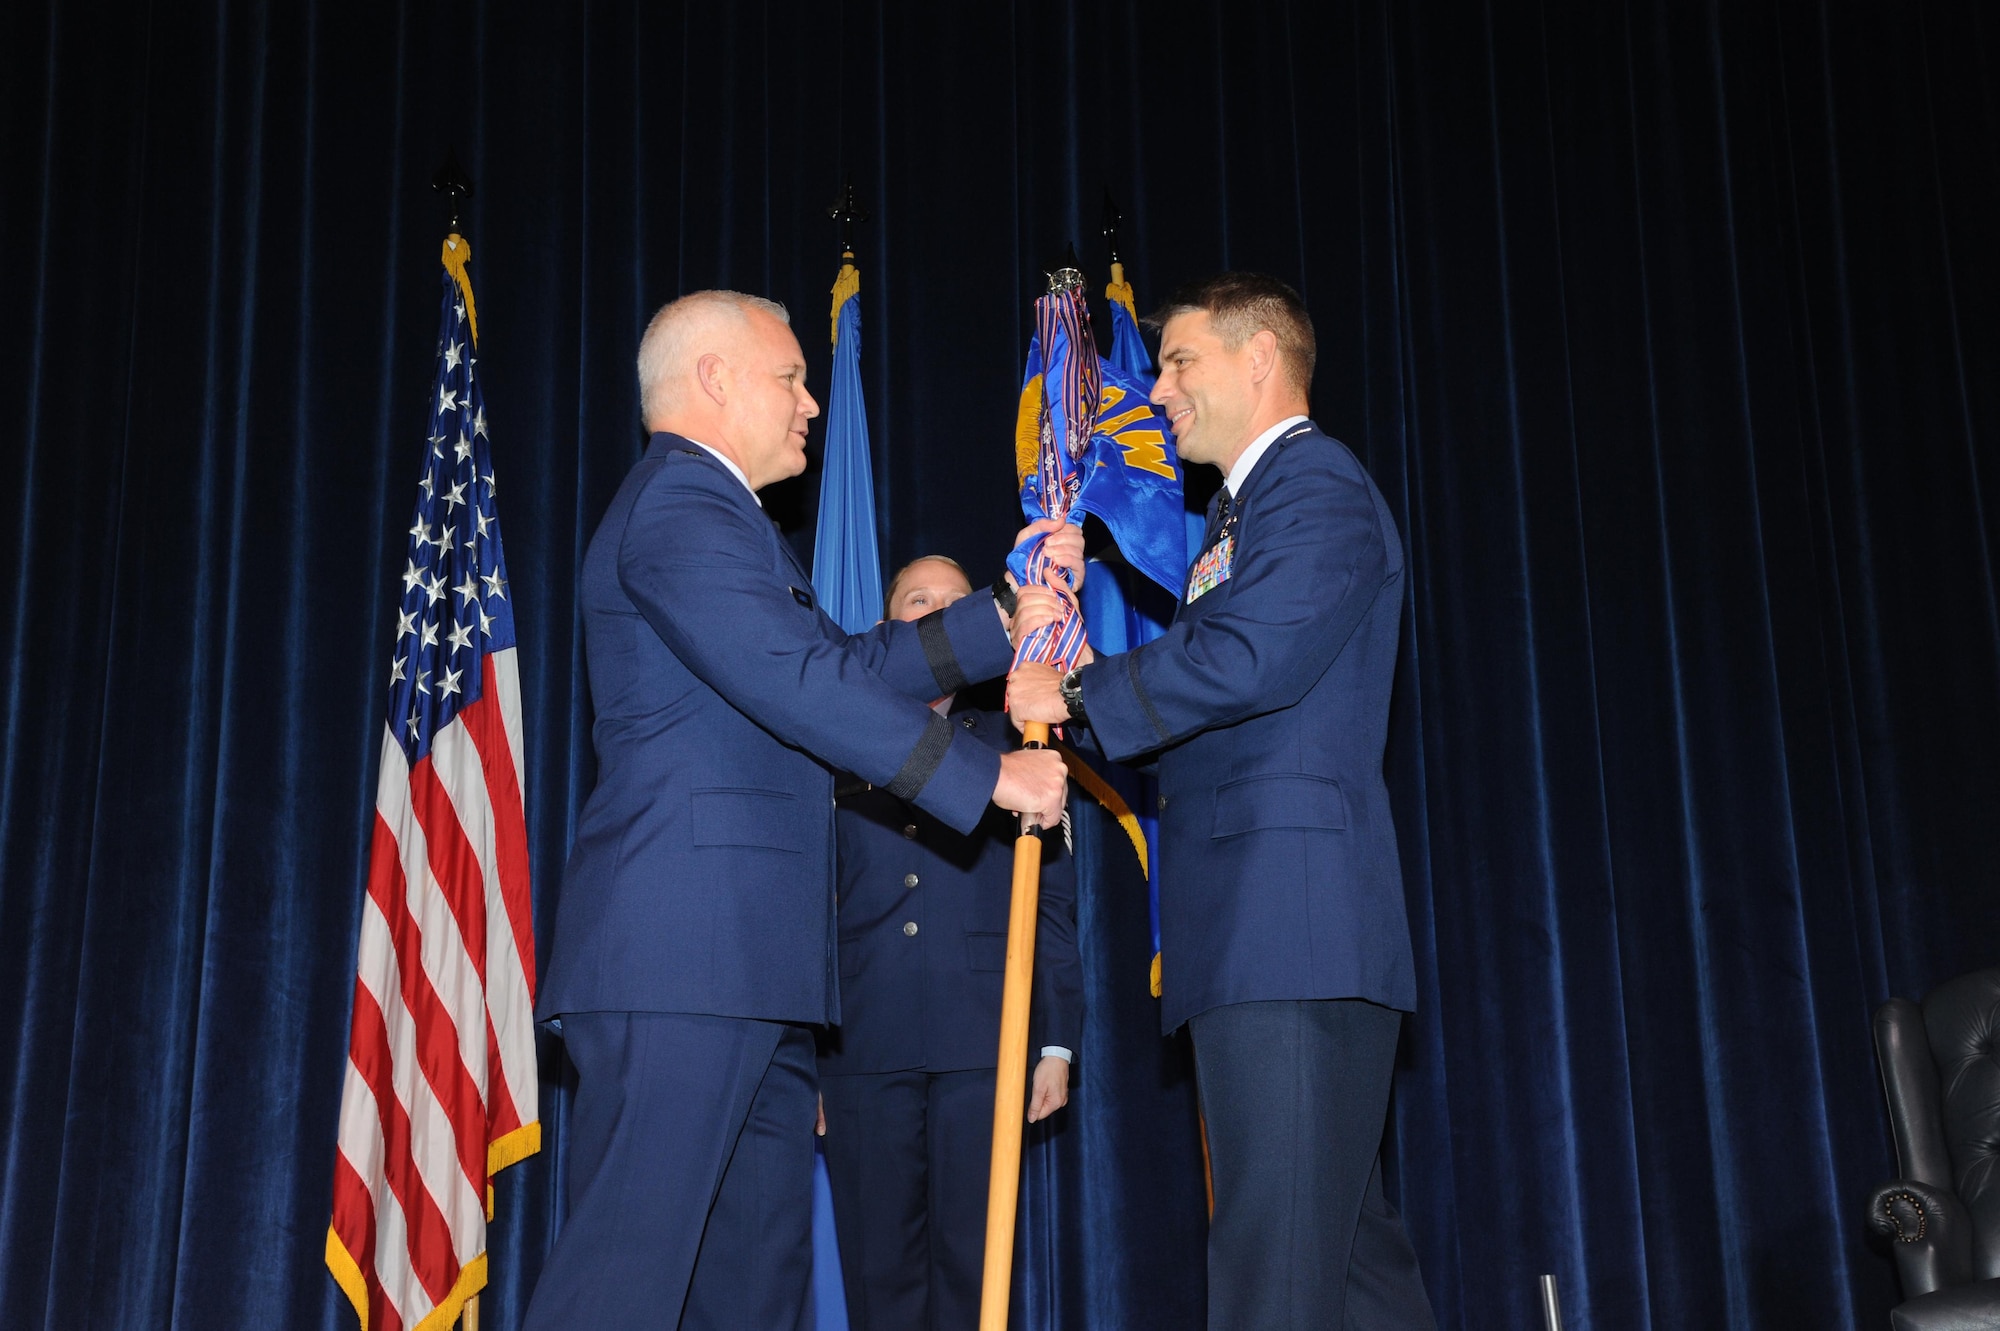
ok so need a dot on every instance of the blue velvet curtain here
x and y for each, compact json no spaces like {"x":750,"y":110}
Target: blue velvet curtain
{"x":1667,"y":327}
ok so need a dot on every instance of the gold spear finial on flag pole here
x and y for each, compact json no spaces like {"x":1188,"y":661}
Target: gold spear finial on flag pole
{"x":845,"y":211}
{"x":1120,"y":291}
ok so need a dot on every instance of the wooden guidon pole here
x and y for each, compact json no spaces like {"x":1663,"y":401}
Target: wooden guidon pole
{"x":1011,"y":1079}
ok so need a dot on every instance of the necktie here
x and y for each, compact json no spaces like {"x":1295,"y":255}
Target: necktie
{"x":1220,"y":510}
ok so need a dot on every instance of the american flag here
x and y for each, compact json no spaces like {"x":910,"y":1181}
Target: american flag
{"x":440,"y":1091}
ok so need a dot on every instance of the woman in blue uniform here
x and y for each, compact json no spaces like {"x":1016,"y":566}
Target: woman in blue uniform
{"x":907,"y":1078}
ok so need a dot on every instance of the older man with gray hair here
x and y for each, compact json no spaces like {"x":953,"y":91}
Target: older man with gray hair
{"x":694,"y":938}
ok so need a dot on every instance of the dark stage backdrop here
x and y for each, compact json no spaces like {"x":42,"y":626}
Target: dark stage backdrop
{"x":1667,"y":327}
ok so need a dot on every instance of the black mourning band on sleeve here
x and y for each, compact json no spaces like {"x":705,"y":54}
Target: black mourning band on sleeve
{"x":938,"y":654}
{"x":1139,"y":692}
{"x":924,"y":760}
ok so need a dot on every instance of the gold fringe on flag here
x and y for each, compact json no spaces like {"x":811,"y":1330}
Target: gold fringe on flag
{"x":845,"y":286}
{"x":457,"y":254}
{"x":1114,"y":804}
{"x":1120,"y":292}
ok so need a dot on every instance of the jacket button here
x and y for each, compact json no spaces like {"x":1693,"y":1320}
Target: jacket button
{"x":910,"y":929}
{"x":910,"y":831}
{"x":968,"y":723}
{"x":909,"y":880}
{"x":1163,"y":804}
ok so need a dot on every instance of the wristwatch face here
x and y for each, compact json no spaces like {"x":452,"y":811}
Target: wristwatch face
{"x":1071,"y":689}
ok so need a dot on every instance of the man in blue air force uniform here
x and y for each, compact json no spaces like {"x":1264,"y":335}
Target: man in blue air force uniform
{"x":694,"y":940}
{"x":1284,"y":942}
{"x":908,"y":1075}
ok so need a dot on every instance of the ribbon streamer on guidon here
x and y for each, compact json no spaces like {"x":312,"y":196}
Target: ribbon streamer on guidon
{"x":1070,"y":386}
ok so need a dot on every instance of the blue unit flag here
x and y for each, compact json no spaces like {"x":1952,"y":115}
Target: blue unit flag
{"x":1124,"y":469}
{"x":1128,"y":473}
{"x":1128,"y":348}
{"x":847,"y":558}
{"x":1122,"y":611}
{"x":1132,"y":480}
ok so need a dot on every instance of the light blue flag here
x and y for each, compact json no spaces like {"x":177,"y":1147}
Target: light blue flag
{"x":847,"y":558}
{"x":847,"y":578}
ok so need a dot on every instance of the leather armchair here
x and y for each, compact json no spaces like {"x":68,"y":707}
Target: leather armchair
{"x":1941,"y":1072}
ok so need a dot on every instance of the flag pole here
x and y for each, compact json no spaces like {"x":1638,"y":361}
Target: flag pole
{"x":1010,"y":1080}
{"x":1011,"y":1076}
{"x":451,"y":181}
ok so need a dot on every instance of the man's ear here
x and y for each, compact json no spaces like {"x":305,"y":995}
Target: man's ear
{"x":1263,"y":346}
{"x":711,"y":375}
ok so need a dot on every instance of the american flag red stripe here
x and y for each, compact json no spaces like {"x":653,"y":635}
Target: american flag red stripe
{"x":452,"y":863}
{"x":438,"y":1037}
{"x":354,"y":1213}
{"x":431,"y":1259}
{"x":497,"y":755}
{"x":440,"y":1090}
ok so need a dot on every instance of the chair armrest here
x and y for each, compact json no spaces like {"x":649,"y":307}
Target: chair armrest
{"x":1931,"y":1232}
{"x":1974,"y":1307}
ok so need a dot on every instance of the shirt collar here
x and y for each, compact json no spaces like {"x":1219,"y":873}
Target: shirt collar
{"x":1248,"y":461}
{"x":734,"y":470}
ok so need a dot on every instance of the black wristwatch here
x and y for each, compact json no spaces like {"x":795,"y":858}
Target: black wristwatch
{"x":1072,"y":694}
{"x":1004,"y":596}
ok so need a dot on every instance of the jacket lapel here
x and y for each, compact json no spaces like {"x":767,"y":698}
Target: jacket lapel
{"x":787,"y":560}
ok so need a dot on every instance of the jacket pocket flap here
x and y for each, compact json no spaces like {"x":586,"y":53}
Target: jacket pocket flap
{"x":1286,"y":799}
{"x":766,"y":819}
{"x":986,"y":952}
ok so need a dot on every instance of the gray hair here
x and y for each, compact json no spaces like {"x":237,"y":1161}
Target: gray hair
{"x":679,"y":334}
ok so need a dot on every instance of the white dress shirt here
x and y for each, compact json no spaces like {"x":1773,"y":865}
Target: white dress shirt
{"x":1248,"y":461}
{"x":737,"y":471}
